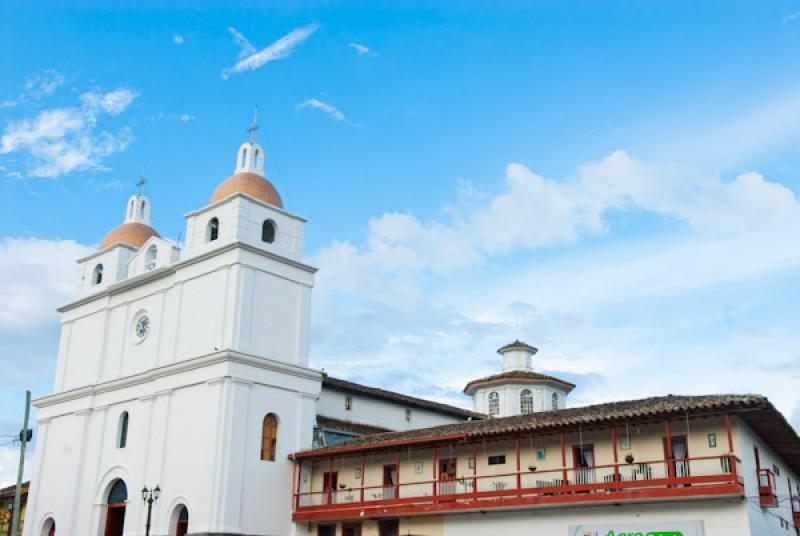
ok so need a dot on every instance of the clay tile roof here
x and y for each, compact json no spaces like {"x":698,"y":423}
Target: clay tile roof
{"x":10,"y":491}
{"x":329,"y":423}
{"x":132,"y":234}
{"x":345,"y":386}
{"x":524,"y":376}
{"x":755,"y":410}
{"x":251,"y":184}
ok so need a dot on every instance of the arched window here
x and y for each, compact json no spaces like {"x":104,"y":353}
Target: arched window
{"x":268,"y":231}
{"x":494,"y":403}
{"x":555,"y":400}
{"x":141,"y":208}
{"x":244,"y":158}
{"x":269,"y":437}
{"x":150,"y":257}
{"x":49,"y":527}
{"x":97,"y":275}
{"x":526,"y":402}
{"x":130,"y":208}
{"x":115,"y":509}
{"x":122,"y":433}
{"x":213,"y":230}
{"x":182,"y":523}
{"x":256,"y":154}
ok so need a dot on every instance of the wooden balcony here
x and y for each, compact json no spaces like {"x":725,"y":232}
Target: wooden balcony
{"x":715,"y":476}
{"x":766,"y":488}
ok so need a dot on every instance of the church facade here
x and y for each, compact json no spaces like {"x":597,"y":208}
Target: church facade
{"x":184,"y":371}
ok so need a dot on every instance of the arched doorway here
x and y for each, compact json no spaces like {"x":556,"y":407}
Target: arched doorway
{"x":182,"y":523}
{"x":115,"y":509}
{"x":49,"y":527}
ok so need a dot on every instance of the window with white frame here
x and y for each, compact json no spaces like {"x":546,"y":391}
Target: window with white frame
{"x":494,"y":403}
{"x":526,"y":402}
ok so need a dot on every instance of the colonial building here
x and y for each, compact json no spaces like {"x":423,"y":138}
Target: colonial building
{"x":184,"y":369}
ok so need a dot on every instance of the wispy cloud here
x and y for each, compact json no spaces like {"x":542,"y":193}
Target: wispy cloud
{"x":170,"y":116}
{"x":246,"y":48}
{"x":361,"y":49}
{"x":177,"y":39}
{"x":35,"y":88}
{"x":280,"y":49}
{"x":332,"y":111}
{"x":790,"y":17}
{"x":62,"y":140}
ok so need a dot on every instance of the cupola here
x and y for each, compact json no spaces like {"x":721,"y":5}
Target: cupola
{"x":248,"y":176}
{"x":135,"y":229}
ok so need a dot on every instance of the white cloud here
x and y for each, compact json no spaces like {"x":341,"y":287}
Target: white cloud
{"x":332,"y":111}
{"x":177,"y":39}
{"x":245,"y":46}
{"x":278,"y":50}
{"x":62,"y":140}
{"x":44,"y":84}
{"x":790,"y":17}
{"x":431,"y":295}
{"x":186,"y":118}
{"x":361,"y":49}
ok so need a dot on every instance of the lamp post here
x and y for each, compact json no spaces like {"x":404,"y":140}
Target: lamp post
{"x":149,"y":496}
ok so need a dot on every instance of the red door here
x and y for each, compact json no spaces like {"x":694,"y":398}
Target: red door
{"x":115,"y":520}
{"x":447,"y":476}
{"x":330,"y":481}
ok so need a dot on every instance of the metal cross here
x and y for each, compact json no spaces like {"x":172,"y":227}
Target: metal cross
{"x":140,"y":184}
{"x":253,"y":126}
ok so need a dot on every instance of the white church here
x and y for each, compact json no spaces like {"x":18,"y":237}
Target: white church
{"x":183,"y":372}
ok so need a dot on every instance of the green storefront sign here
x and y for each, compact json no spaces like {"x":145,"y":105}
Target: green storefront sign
{"x":666,"y":528}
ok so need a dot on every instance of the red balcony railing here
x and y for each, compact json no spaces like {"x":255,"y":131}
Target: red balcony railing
{"x":766,"y":488}
{"x":699,"y":477}
{"x":796,"y":511}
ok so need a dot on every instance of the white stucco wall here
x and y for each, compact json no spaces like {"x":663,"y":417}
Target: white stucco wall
{"x":719,"y":518}
{"x":377,"y":412}
{"x":510,"y":397}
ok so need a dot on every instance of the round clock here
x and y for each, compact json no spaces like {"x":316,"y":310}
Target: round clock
{"x":142,"y":327}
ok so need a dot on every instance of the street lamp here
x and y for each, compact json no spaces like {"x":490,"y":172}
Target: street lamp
{"x":150,"y":496}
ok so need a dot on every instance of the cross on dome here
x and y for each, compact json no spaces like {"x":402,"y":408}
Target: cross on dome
{"x":250,"y":158}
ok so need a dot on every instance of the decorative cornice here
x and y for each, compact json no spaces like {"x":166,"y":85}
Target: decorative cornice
{"x":225,"y":356}
{"x":230,"y":198}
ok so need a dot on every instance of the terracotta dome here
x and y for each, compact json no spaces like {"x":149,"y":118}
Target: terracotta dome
{"x":251,"y":184}
{"x":132,"y":234}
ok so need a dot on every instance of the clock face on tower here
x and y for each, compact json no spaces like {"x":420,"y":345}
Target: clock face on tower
{"x":141,"y":327}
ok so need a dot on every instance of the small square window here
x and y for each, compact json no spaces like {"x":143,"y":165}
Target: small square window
{"x":357,"y":473}
{"x":625,"y":443}
{"x":497,"y":460}
{"x":471,"y":463}
{"x":418,"y":467}
{"x":712,"y":441}
{"x":540,"y":453}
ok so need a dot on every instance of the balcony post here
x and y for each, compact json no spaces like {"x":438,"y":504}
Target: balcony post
{"x":474,"y":468}
{"x":563,"y":459}
{"x":363,"y":470}
{"x":731,"y":455}
{"x":616,"y":458}
{"x":433,"y":468}
{"x":330,"y":482}
{"x":668,"y":444}
{"x":519,"y":467}
{"x":397,"y":476}
{"x":294,"y":485}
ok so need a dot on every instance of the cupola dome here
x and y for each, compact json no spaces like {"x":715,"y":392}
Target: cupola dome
{"x":135,"y":230}
{"x":248,"y":177}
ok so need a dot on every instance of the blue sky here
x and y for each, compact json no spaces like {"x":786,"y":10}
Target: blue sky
{"x":614,"y":182}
